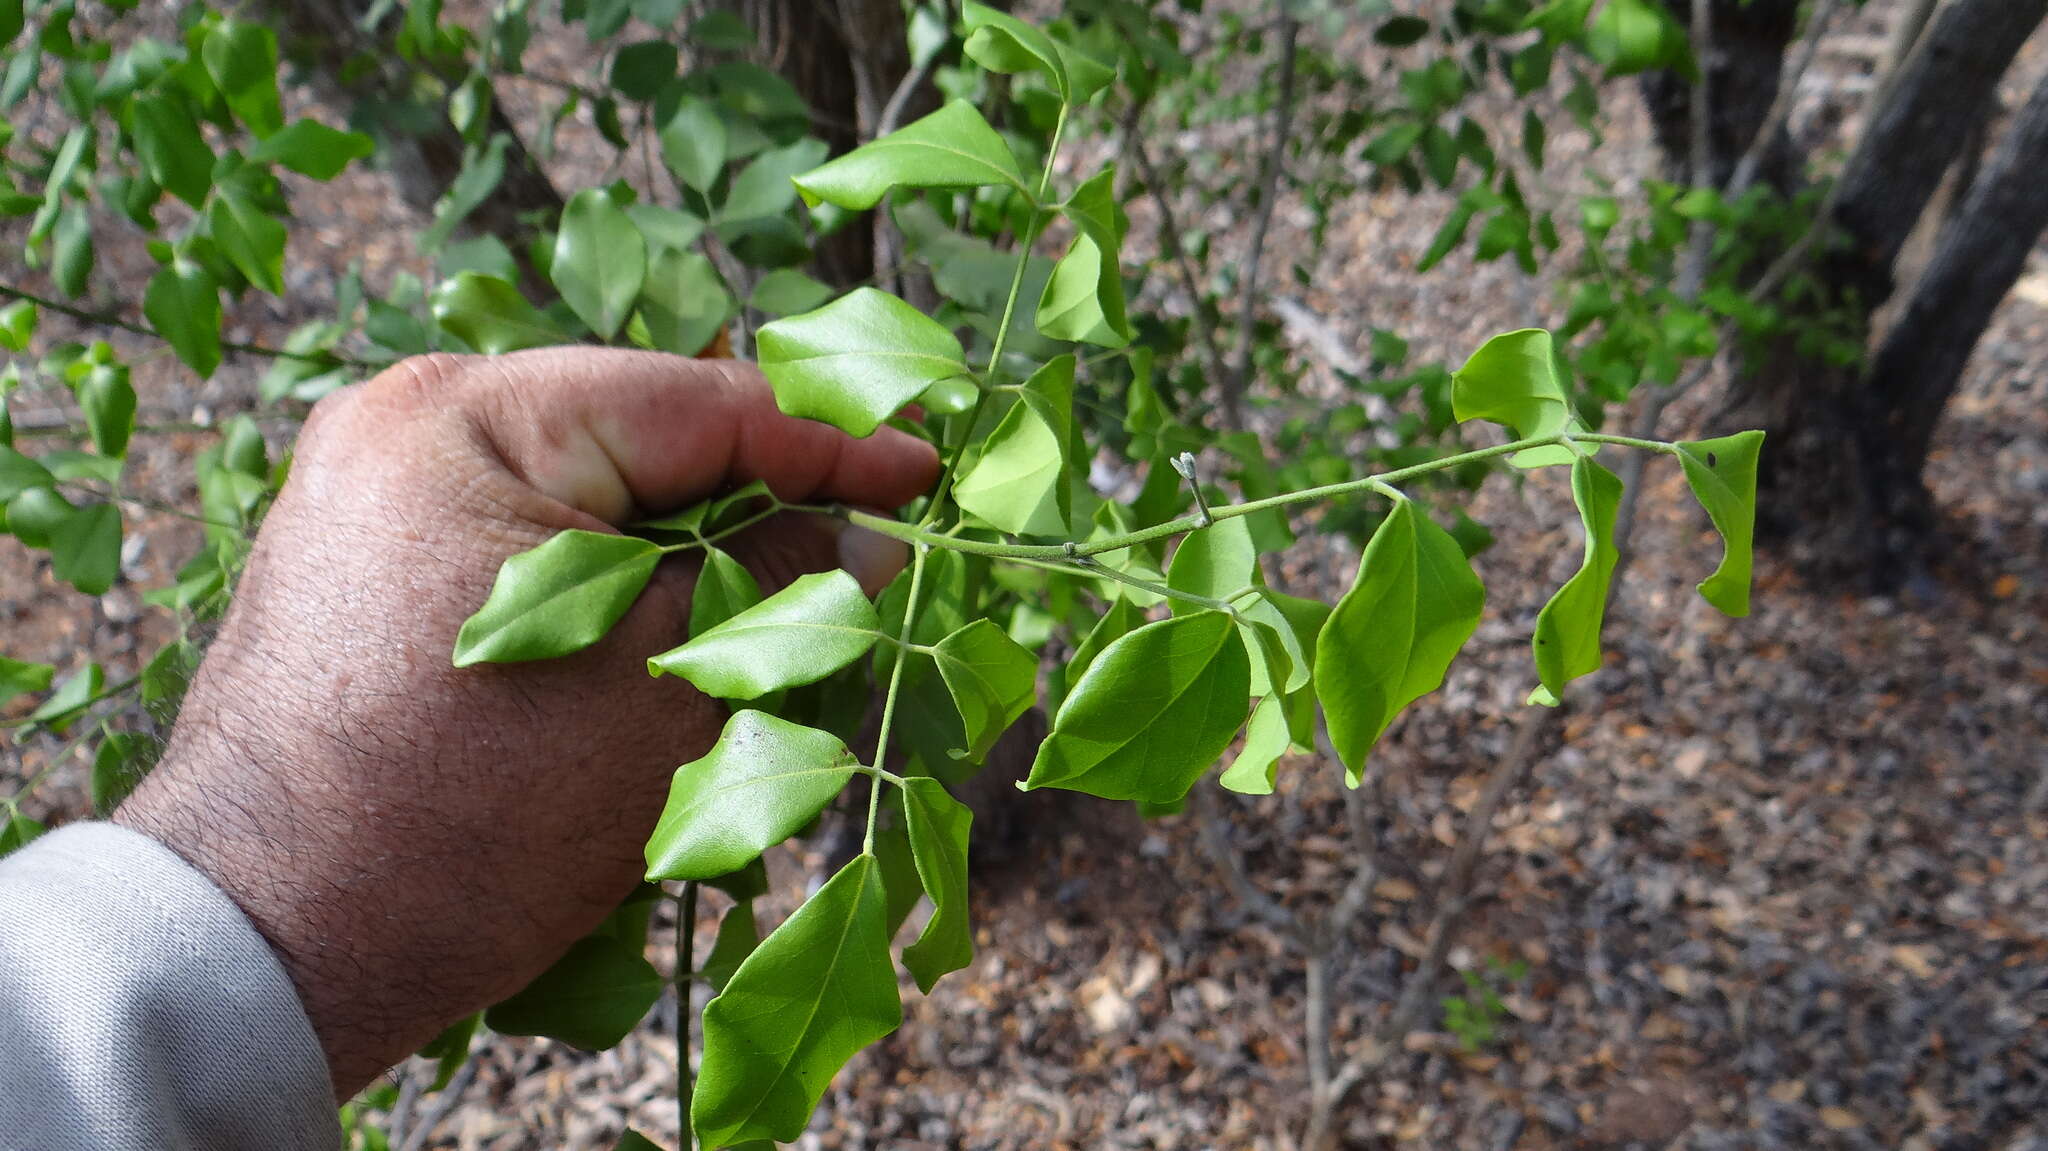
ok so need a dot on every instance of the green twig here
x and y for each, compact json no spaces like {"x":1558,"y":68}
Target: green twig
{"x":895,"y":689}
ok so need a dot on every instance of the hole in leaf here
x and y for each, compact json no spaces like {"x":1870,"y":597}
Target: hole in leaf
{"x":1712,"y":461}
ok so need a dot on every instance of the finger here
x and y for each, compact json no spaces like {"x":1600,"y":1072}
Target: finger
{"x":612,"y":432}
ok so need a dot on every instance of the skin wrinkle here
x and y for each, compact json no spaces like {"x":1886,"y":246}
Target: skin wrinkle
{"x":417,"y":841}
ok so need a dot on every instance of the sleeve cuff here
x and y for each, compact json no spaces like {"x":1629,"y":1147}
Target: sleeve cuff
{"x":141,"y":1009}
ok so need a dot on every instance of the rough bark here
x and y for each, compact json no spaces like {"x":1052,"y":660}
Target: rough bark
{"x":1979,"y":257}
{"x":1850,"y":517}
{"x":1750,"y":39}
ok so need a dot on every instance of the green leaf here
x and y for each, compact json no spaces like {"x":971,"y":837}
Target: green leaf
{"x":855,"y":361}
{"x":490,"y":315}
{"x":684,"y":302}
{"x":1214,"y":562}
{"x":18,"y":679}
{"x":759,"y":784}
{"x":1412,"y":606}
{"x":35,"y":514}
{"x":738,"y":935}
{"x":72,"y":697}
{"x":1631,"y":36}
{"x":313,"y":149}
{"x":451,"y":1048}
{"x":85,"y":549}
{"x":634,"y":1141}
{"x":724,"y":589}
{"x":72,"y":248}
{"x":108,"y":400}
{"x":992,"y":679}
{"x":764,"y":187}
{"x":482,"y":170}
{"x":18,"y":474}
{"x":1567,"y":640}
{"x":557,"y":598}
{"x":249,"y":237}
{"x":1118,"y":621}
{"x":938,"y":840}
{"x":786,"y":291}
{"x":1255,"y":770}
{"x":640,"y":70}
{"x":815,"y":992}
{"x":951,"y":148}
{"x":1151,"y":713}
{"x":1722,"y":475}
{"x":591,"y":998}
{"x":17,"y":325}
{"x":1097,"y":316}
{"x":693,"y":143}
{"x":172,"y":150}
{"x":1018,"y":483}
{"x":1000,"y":42}
{"x":242,"y":59}
{"x":799,"y":635}
{"x":1400,"y":32}
{"x":183,"y":303}
{"x":600,"y":261}
{"x":665,"y":228}
{"x":1512,"y":380}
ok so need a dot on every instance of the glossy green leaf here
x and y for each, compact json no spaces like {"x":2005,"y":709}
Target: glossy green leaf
{"x":18,"y":325}
{"x":684,"y":302}
{"x":992,"y":679}
{"x":251,"y":239}
{"x":85,"y":549}
{"x":18,"y":679}
{"x":724,"y":589}
{"x":600,"y":261}
{"x":1722,"y":475}
{"x":1256,"y":768}
{"x":1000,"y":42}
{"x":591,"y":998}
{"x":693,"y":143}
{"x":108,"y":400}
{"x":759,"y":784}
{"x":18,"y":474}
{"x":182,"y":303}
{"x":737,"y":937}
{"x":938,"y":840}
{"x":1214,"y":562}
{"x":1151,"y":713}
{"x":799,"y":635}
{"x":665,"y":228}
{"x":313,"y":149}
{"x":1084,"y":298}
{"x":16,"y":831}
{"x":557,"y":598}
{"x":1018,"y":483}
{"x":241,"y":56}
{"x":854,"y":362}
{"x":764,"y":187}
{"x":1567,"y":640}
{"x":953,"y":147}
{"x":172,"y":150}
{"x":1121,"y":618}
{"x":490,"y":315}
{"x":1631,"y":36}
{"x":1512,"y":380}
{"x":1412,"y":606}
{"x":35,"y":514}
{"x":815,"y":992}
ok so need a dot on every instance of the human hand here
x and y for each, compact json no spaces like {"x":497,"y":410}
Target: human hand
{"x":418,"y":841}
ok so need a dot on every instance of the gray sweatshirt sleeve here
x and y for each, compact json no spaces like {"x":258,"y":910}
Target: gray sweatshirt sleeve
{"x":139,"y":1009}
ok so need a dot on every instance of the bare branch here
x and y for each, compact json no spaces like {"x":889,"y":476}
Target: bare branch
{"x":1269,"y":189}
{"x":109,"y":320}
{"x":1212,"y":824}
{"x":1170,"y":243}
{"x":1692,"y":272}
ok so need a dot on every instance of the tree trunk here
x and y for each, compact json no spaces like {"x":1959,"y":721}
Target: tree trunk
{"x":1824,"y":488}
{"x":1979,"y":257}
{"x":1743,"y":69}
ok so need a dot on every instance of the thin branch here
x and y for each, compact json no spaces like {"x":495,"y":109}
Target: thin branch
{"x":444,"y":1103}
{"x":108,"y":320}
{"x":1692,"y":272}
{"x":1211,"y":822}
{"x":1269,"y":188}
{"x":1170,"y":242}
{"x":892,"y":112}
{"x":1781,"y":107}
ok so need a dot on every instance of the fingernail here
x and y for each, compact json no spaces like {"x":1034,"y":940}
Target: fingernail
{"x":873,"y":558}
